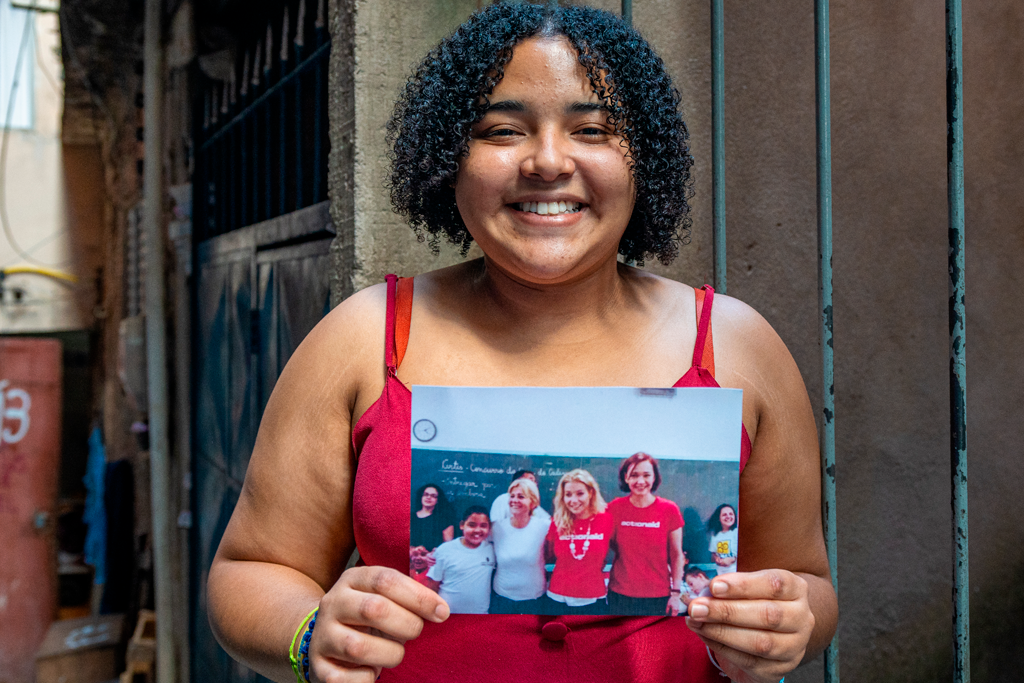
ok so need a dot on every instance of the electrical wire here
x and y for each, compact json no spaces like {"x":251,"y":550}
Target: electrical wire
{"x":46,"y":70}
{"x":4,"y":218}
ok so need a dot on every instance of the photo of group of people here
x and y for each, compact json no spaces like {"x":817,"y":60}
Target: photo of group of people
{"x":518,"y":532}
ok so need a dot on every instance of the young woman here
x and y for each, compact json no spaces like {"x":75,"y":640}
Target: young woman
{"x":724,"y":535}
{"x":525,"y":107}
{"x":578,"y":541}
{"x":647,"y":536}
{"x":434,"y":523}
{"x":518,"y":538}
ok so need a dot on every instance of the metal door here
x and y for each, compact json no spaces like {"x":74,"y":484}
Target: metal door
{"x":258,"y":292}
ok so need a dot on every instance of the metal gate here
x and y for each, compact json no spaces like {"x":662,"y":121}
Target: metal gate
{"x":258,"y":292}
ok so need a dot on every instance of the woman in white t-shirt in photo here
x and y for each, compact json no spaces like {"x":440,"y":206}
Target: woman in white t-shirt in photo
{"x":724,"y":531}
{"x":519,"y":581}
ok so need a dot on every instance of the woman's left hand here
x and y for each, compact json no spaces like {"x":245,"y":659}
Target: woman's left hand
{"x":757,"y":624}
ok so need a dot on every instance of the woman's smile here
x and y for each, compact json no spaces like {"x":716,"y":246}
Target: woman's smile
{"x":546,"y":189}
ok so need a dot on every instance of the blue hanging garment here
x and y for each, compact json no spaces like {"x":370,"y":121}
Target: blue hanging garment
{"x":95,"y":516}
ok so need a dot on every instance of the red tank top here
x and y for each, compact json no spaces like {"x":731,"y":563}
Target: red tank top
{"x":527,"y":648}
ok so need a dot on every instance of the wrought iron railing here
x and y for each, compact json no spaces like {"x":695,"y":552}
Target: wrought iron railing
{"x":261,"y":136}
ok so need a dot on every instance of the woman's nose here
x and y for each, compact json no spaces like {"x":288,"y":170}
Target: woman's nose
{"x":548,"y":158}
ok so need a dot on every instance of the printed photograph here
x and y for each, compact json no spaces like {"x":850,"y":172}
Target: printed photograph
{"x":606,"y":500}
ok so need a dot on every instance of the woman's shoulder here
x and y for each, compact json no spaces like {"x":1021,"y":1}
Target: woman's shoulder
{"x":666,"y":503}
{"x":346,"y":350}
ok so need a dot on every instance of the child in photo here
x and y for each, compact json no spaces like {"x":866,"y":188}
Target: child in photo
{"x":419,"y":562}
{"x":463,"y":567}
{"x":724,"y":533}
{"x":698,"y":585}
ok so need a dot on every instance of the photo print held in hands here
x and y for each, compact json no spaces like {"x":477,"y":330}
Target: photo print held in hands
{"x":580,"y":500}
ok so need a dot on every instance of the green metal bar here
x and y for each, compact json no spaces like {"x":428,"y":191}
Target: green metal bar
{"x":627,"y":12}
{"x":718,"y":141}
{"x":957,"y":343}
{"x":822,"y":71}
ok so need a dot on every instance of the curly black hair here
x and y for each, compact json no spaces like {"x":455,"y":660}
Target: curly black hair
{"x":429,"y":130}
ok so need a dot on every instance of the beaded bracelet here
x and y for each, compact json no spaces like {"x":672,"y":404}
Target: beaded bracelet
{"x":292,"y":653}
{"x":304,"y":646}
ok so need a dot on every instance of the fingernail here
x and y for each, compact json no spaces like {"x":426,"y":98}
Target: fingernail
{"x":698,"y":611}
{"x":719,"y":588}
{"x":441,"y":612}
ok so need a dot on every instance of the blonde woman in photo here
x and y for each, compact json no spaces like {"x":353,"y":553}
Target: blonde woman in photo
{"x":519,"y":580}
{"x":578,"y":541}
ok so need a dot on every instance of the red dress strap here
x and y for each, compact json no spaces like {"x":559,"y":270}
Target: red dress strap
{"x":403,"y":315}
{"x":704,"y":348}
{"x":389,"y":324}
{"x":396,"y":324}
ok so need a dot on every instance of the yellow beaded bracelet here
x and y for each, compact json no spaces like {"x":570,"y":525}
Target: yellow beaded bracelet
{"x":291,"y":649}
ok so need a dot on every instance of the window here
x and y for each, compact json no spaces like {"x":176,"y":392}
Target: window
{"x":17,"y":35}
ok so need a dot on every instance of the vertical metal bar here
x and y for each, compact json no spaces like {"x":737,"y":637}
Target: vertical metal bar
{"x":243,"y":176}
{"x":718,"y":141}
{"x":156,"y":351}
{"x":822,"y":70}
{"x":300,"y":40}
{"x":267,"y":134}
{"x":627,"y":12}
{"x":957,"y":342}
{"x":256,"y":134}
{"x":282,"y":138}
{"x":321,"y":36}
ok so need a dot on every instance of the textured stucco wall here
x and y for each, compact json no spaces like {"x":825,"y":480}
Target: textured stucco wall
{"x":890,"y":276}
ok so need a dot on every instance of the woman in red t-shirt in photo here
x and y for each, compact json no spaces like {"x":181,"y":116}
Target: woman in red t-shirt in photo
{"x":647,"y":535}
{"x":578,"y":542}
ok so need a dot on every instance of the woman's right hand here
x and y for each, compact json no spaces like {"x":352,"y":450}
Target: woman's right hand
{"x":364,"y":622}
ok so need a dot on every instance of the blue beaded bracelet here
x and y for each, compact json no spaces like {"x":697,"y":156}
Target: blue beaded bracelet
{"x":304,"y":646}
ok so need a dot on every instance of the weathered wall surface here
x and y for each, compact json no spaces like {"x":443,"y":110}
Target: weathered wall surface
{"x":890,"y":275}
{"x":34,"y":199}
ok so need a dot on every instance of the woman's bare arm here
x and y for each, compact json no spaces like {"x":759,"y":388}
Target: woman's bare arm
{"x":780,"y":607}
{"x":290,"y":535}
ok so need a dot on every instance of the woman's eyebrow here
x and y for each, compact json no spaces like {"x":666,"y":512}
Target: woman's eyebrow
{"x":506,"y":105}
{"x":586,"y":107}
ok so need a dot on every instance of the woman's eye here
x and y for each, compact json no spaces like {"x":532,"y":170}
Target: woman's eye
{"x":592,"y":131}
{"x":500,"y":132}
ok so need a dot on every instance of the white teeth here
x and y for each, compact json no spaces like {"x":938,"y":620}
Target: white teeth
{"x":548,"y":208}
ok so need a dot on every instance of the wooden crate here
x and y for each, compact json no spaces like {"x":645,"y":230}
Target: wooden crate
{"x":80,"y":650}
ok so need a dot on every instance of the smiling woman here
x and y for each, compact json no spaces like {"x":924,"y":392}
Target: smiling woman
{"x":552,"y":137}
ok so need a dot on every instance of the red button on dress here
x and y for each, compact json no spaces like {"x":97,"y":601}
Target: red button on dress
{"x":554,"y":630}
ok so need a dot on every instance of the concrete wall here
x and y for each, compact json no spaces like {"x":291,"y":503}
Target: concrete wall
{"x":35,"y":201}
{"x":890,"y":273}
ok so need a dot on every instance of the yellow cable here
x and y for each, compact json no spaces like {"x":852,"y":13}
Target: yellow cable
{"x":39,"y":270}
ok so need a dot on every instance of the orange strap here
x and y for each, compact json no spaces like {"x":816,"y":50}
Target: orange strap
{"x":707,"y":359}
{"x":403,"y":314}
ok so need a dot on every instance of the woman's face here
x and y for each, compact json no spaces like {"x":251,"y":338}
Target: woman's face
{"x":518,"y":502}
{"x":546,"y":190}
{"x":429,"y":499}
{"x":641,"y":478}
{"x":727,"y":517}
{"x":576,"y":497}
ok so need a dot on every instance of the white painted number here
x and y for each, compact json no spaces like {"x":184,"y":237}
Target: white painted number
{"x":18,"y":412}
